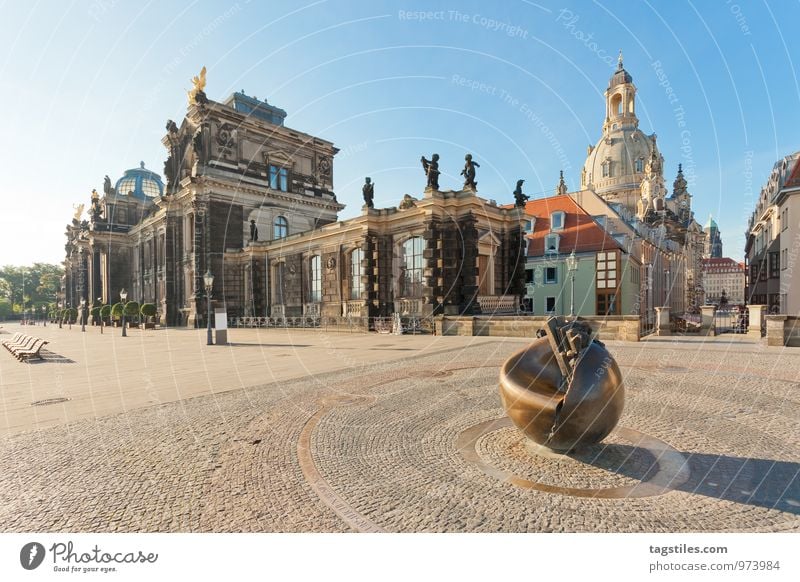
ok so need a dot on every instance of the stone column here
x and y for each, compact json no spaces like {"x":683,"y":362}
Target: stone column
{"x":707,"y":320}
{"x":776,"y":334}
{"x":662,"y":321}
{"x":756,"y":316}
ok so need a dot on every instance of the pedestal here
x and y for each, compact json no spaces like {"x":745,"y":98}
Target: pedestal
{"x":755,"y":317}
{"x":662,"y":321}
{"x":707,"y":320}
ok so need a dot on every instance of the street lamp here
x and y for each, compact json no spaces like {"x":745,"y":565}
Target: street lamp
{"x":100,"y":301}
{"x":572,"y":266}
{"x":208,"y":280}
{"x":123,"y":296}
{"x":60,"y":316}
{"x":44,"y":315}
{"x":83,"y":315}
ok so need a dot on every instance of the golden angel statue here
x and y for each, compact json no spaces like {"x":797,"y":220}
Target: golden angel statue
{"x":78,"y":208}
{"x":197,"y":93}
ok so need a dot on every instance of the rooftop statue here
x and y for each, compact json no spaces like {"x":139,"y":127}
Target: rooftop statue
{"x":519,"y":197}
{"x":78,"y":211}
{"x":431,"y":169}
{"x":469,"y":173}
{"x":368,"y":190}
{"x":197,"y":93}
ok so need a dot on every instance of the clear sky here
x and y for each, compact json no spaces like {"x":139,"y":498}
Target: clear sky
{"x":86,"y":87}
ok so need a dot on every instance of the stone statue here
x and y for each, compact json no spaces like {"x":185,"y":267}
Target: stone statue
{"x":407,"y":202}
{"x":469,"y":173}
{"x":197,"y":145}
{"x":107,"y":190}
{"x":368,"y":190}
{"x":172,"y":127}
{"x":431,"y":168}
{"x":78,"y":211}
{"x":253,"y":231}
{"x":520,"y":198}
{"x":96,"y":210}
{"x":197,"y":93}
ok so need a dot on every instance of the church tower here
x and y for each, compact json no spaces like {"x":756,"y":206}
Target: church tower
{"x":616,"y":166}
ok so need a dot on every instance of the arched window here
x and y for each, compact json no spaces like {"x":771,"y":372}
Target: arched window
{"x":316,"y":279}
{"x":280,"y":228}
{"x":356,"y":272}
{"x":411,"y":268}
{"x":640,"y":165}
{"x":607,"y":169}
{"x":616,"y":104}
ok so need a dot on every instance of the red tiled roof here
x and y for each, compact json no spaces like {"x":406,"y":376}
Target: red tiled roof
{"x":580,"y":233}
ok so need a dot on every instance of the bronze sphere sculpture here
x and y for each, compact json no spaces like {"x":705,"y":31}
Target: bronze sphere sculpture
{"x":565,"y":389}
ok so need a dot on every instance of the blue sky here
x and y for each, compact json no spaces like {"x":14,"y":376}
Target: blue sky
{"x":86,"y":87}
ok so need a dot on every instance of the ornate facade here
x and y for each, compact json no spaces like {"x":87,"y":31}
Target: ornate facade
{"x":252,"y":201}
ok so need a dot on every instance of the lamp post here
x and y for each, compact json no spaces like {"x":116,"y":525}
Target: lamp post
{"x":100,"y":301}
{"x":60,"y":316}
{"x":83,"y":315}
{"x":208,"y":280}
{"x":44,"y":315}
{"x":123,"y":296}
{"x":572,"y":266}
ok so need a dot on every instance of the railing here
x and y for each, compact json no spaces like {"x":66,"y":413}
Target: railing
{"x":352,"y":309}
{"x":498,"y":303}
{"x":408,"y":306}
{"x":311,"y":310}
{"x":408,"y":324}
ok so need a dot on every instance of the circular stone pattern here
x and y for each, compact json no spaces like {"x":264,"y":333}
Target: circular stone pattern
{"x":612,"y":463}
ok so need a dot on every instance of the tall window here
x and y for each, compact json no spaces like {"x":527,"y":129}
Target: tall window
{"x":280,"y":283}
{"x":411,"y":268}
{"x":280,"y":228}
{"x":608,"y":278}
{"x":639,"y":165}
{"x":316,"y":279}
{"x":279,"y":178}
{"x":356,"y":272}
{"x":606,"y":169}
{"x":557,"y":220}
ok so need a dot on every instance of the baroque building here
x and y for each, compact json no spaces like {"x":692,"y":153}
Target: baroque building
{"x":251,"y":201}
{"x":623,"y":188}
{"x":773,"y":240}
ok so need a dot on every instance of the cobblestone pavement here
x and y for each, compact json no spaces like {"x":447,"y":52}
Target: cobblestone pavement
{"x":374,"y":449}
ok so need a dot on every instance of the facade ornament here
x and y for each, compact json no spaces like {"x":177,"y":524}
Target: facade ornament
{"x":76,"y":217}
{"x":253,"y":231}
{"x":324,"y":168}
{"x":172,"y":127}
{"x":561,"y":189}
{"x":469,"y":173}
{"x":519,"y":198}
{"x":431,"y":169}
{"x":107,"y":189}
{"x":330,"y":263}
{"x":368,"y":191}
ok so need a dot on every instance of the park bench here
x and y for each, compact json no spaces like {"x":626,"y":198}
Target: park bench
{"x":25,"y":347}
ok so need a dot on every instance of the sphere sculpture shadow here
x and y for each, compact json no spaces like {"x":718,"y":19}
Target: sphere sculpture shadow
{"x":564,"y":390}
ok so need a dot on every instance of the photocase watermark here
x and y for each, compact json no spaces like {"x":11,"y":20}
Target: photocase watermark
{"x":736,"y":10}
{"x":65,"y":558}
{"x":679,"y":112}
{"x":569,"y":21}
{"x":477,"y":19}
{"x":99,"y":8}
{"x":519,"y":105}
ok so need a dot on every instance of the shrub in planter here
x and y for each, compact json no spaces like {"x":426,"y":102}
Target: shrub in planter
{"x":148,"y":311}
{"x":105,"y":312}
{"x":95,"y":313}
{"x":132,"y":313}
{"x":116,"y":313}
{"x":71,"y":315}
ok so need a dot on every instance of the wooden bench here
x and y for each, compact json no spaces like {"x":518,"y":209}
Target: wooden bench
{"x":25,"y":347}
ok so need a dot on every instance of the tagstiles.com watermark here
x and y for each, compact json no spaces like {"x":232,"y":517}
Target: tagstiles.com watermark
{"x":65,"y":558}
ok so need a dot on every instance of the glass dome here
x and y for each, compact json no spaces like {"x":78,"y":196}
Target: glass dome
{"x":140,"y":183}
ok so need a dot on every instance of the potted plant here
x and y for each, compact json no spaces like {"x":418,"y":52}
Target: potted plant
{"x":132,"y":313}
{"x":105,"y":313}
{"x":148,"y":311}
{"x":116,"y":314}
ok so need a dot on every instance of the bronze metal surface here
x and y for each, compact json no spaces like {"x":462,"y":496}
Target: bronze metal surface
{"x":533,"y":395}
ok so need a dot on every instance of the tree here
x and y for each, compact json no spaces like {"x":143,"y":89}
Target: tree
{"x":26,"y":286}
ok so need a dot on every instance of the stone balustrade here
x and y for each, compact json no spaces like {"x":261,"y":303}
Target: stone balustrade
{"x":498,"y":303}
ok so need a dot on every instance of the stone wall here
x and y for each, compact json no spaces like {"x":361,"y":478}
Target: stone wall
{"x":783,"y":330}
{"x":619,"y":327}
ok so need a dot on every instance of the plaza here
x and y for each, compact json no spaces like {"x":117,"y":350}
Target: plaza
{"x":315,"y":431}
